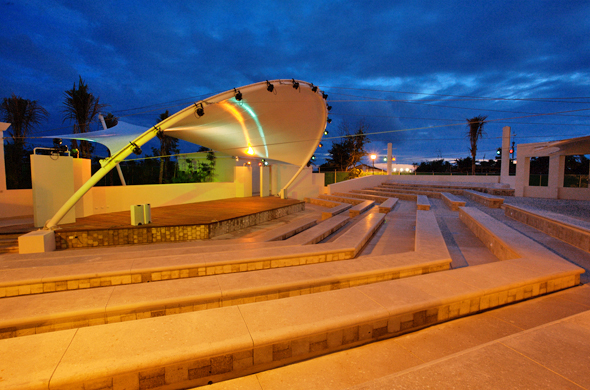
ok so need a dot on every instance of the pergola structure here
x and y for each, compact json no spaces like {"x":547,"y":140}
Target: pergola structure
{"x":557,"y":152}
{"x":282,"y":120}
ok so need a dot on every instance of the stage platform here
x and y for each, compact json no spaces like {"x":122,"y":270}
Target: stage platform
{"x":192,"y":221}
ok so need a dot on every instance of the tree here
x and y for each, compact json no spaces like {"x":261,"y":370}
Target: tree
{"x":347,"y":154}
{"x":168,"y":146}
{"x":475,"y":133}
{"x":24,"y":115}
{"x":82,"y":107}
{"x":110,"y":120}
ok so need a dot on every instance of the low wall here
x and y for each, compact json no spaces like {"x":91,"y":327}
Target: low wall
{"x":120,"y":198}
{"x":306,"y":185}
{"x":445,"y":178}
{"x":16,"y":203}
{"x":358,"y":184}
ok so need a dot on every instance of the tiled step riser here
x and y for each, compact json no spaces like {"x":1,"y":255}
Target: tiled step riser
{"x":399,"y":195}
{"x":101,"y":318}
{"x":499,"y":248}
{"x":486,"y":200}
{"x":576,"y":237}
{"x":341,"y":199}
{"x":376,"y":198}
{"x":147,"y":277}
{"x":237,"y":363}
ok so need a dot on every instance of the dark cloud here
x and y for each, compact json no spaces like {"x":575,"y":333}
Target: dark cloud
{"x":135,"y":54}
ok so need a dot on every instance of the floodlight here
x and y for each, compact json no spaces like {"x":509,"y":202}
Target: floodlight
{"x":200,"y":110}
{"x":295,"y":84}
{"x":136,"y":148}
{"x":320,"y":145}
{"x":329,"y":108}
{"x":238,"y":94}
{"x":269,"y":86}
{"x":329,"y":120}
{"x":325,"y":95}
{"x":314,"y":88}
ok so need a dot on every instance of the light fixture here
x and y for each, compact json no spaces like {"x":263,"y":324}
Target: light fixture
{"x":136,"y":149}
{"x":325,"y":95}
{"x":314,"y":88}
{"x":329,"y":120}
{"x":329,"y":108}
{"x":320,"y":145}
{"x":373,"y":157}
{"x":313,"y":157}
{"x":266,"y":163}
{"x":385,"y":159}
{"x":295,"y":84}
{"x":250,"y":151}
{"x":248,"y":163}
{"x":269,"y":86}
{"x":238,"y":94}
{"x":325,"y":132}
{"x":200,"y":110}
{"x":395,"y":169}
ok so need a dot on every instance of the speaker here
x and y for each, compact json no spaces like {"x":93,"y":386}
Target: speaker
{"x":137,"y":214}
{"x":147,"y":213}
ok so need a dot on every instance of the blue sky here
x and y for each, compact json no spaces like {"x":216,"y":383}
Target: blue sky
{"x":407,"y":68}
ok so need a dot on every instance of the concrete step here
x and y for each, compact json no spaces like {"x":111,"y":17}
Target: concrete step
{"x":376,"y":198}
{"x":195,"y":348}
{"x":341,"y":199}
{"x":35,"y":314}
{"x":388,"y":194}
{"x":360,"y":208}
{"x":456,"y":354}
{"x":46,"y":279}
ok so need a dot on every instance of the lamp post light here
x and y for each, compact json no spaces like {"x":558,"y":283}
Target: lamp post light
{"x":373,"y":157}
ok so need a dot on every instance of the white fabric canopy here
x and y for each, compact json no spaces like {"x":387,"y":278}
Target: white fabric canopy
{"x":286,"y":124}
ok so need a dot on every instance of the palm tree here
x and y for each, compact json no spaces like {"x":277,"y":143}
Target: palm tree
{"x":475,"y":133}
{"x":81,"y":107}
{"x":168,"y":146}
{"x":24,"y":115}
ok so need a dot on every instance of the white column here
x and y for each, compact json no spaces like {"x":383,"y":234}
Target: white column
{"x":2,"y":166}
{"x":556,"y":174}
{"x":505,"y":167}
{"x":389,"y":159}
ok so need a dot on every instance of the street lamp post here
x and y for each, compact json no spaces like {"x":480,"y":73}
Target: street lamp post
{"x":373,"y":157}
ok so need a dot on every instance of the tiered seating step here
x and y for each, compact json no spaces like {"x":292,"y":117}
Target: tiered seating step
{"x":386,"y":194}
{"x":376,"y":198}
{"x":193,"y":349}
{"x":452,"y":201}
{"x":360,"y":208}
{"x":320,"y":231}
{"x":341,"y":199}
{"x":485,"y":199}
{"x":335,"y":207}
{"x":388,"y":205}
{"x":287,"y":230}
{"x":571,"y":230}
{"x":422,"y":202}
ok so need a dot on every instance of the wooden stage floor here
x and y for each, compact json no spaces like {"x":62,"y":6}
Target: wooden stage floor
{"x":185,"y":214}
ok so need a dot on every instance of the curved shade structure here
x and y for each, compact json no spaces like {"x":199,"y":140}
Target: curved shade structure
{"x":285,"y":125}
{"x":282,"y":120}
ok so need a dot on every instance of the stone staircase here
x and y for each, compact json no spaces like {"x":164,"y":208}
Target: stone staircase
{"x":149,"y":318}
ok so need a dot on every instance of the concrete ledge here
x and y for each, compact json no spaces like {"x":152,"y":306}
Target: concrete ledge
{"x":38,"y":241}
{"x":341,"y":199}
{"x":573,"y":231}
{"x":320,"y":231}
{"x":422,"y":202}
{"x":37,"y":314}
{"x":429,"y":240}
{"x":192,"y":349}
{"x":376,"y":198}
{"x":335,"y":210}
{"x":287,"y":230}
{"x":361,"y":232}
{"x":452,"y":201}
{"x":360,"y":208}
{"x":388,"y":205}
{"x":485,"y":199}
{"x":432,"y":193}
{"x":387,"y":194}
